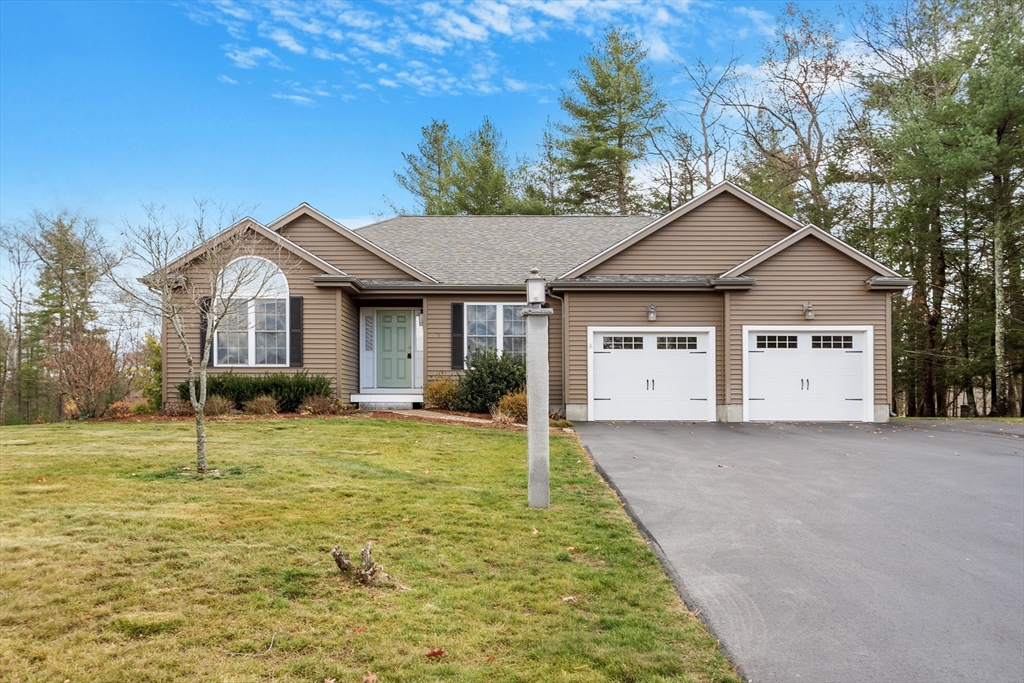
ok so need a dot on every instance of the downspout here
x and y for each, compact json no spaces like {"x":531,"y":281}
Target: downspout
{"x":565,"y":343}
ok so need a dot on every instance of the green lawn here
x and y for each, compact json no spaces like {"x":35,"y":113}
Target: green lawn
{"x":119,"y":565}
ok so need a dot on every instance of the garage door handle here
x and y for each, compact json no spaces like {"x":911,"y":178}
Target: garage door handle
{"x":648,"y":385}
{"x":801,"y":385}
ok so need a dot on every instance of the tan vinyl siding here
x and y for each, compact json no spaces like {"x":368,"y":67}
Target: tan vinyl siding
{"x":338,"y":250}
{"x":437,"y":334}
{"x":712,"y":238}
{"x":348,"y":346}
{"x":320,"y":353}
{"x":810,"y":271}
{"x":592,"y":309}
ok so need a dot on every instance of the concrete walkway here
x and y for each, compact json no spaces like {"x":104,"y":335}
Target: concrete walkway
{"x":838,"y":552}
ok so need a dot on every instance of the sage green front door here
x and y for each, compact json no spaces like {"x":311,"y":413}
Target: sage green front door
{"x":394,"y":349}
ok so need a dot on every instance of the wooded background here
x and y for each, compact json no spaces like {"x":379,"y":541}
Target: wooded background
{"x":905,"y":141}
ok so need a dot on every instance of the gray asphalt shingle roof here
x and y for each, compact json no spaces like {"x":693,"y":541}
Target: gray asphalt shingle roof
{"x":482,"y":250}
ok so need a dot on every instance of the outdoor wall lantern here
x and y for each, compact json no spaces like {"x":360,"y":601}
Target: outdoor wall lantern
{"x":535,"y":288}
{"x":652,"y":313}
{"x":808,"y":311}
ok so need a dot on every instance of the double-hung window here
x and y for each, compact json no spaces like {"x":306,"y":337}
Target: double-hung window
{"x":253,"y":327}
{"x":496,"y":327}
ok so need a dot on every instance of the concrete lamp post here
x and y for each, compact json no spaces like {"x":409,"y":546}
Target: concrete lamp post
{"x":538,"y":435}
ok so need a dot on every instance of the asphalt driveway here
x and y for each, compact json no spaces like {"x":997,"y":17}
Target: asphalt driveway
{"x":834,"y":552}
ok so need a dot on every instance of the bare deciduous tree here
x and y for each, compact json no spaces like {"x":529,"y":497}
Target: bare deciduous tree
{"x":14,"y":286}
{"x":194,"y":277}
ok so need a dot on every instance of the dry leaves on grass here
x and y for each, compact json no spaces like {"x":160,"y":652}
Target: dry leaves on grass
{"x":370,"y":677}
{"x":436,"y":652}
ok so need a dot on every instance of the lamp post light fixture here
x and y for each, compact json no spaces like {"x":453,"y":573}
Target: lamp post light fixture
{"x":535,"y":287}
{"x":808,"y":311}
{"x":652,"y":313}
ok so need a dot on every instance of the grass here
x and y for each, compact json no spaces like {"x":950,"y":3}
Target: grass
{"x":119,"y":564}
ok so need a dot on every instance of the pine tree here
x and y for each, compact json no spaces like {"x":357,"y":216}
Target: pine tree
{"x":429,"y":175}
{"x":613,"y":107}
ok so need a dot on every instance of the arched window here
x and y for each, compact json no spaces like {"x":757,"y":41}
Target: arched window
{"x":253,"y":299}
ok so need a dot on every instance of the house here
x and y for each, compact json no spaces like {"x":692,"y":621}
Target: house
{"x":723,"y":309}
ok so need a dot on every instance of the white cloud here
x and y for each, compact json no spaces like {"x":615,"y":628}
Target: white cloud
{"x":297,"y":99}
{"x":458,"y":26}
{"x":373,"y":37}
{"x":284,"y":39}
{"x":763,"y":22}
{"x":250,"y":58}
{"x":327,"y":55}
{"x":387,"y":82}
{"x":227,"y":79}
{"x":428,"y":43}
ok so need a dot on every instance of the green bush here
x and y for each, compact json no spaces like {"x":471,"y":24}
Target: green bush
{"x":488,"y":378}
{"x":287,"y":390}
{"x":441,"y":392}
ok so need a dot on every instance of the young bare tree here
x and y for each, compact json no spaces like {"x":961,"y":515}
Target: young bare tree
{"x":705,"y":109}
{"x":15,"y":279}
{"x":797,"y":101}
{"x":197,"y":278}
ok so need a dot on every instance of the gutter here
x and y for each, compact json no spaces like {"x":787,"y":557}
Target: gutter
{"x":883,"y":283}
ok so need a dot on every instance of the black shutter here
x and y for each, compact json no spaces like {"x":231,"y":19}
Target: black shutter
{"x":458,"y":337}
{"x":295,"y":331}
{"x":204,"y":312}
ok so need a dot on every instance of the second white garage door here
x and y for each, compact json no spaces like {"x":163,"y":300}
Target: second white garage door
{"x":810,"y":373}
{"x":665,"y":374}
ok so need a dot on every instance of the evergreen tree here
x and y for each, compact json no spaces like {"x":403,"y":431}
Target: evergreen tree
{"x":613,"y":107}
{"x":480,"y":180}
{"x":429,"y":175}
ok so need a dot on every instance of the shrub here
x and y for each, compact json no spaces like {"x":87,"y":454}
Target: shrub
{"x":441,"y":392}
{"x":511,"y":408}
{"x":288,"y":390}
{"x":218,"y":405}
{"x":488,"y":378}
{"x":179,"y":409}
{"x":317,"y":405}
{"x":261,"y":405}
{"x":118,"y":409}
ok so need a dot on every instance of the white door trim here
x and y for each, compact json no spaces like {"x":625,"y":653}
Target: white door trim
{"x":868,"y":414}
{"x":712,"y":359}
{"x":368,"y":359}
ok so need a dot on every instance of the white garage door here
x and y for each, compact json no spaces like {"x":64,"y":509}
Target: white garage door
{"x":652,"y":375}
{"x":816,"y":375}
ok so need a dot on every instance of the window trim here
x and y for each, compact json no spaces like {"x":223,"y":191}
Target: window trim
{"x":251,"y":320}
{"x":499,"y":338}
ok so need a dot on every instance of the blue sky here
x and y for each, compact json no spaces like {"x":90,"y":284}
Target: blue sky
{"x":105,"y":106}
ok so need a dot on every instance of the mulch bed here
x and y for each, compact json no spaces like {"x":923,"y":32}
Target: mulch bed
{"x":378,"y":414}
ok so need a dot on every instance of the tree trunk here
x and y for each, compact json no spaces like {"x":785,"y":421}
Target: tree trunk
{"x":1001,"y":375}
{"x":200,"y":442}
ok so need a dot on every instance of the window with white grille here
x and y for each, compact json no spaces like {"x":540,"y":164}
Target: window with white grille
{"x":623,"y":342}
{"x":776,"y":341}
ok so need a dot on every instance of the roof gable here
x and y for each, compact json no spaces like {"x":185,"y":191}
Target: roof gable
{"x":812,"y":231}
{"x":672,"y":216}
{"x":251,"y":224}
{"x":305,"y":209}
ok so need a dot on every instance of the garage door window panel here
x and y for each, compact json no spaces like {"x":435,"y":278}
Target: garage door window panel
{"x":680,"y":343}
{"x":612,"y":343}
{"x":777,"y":341}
